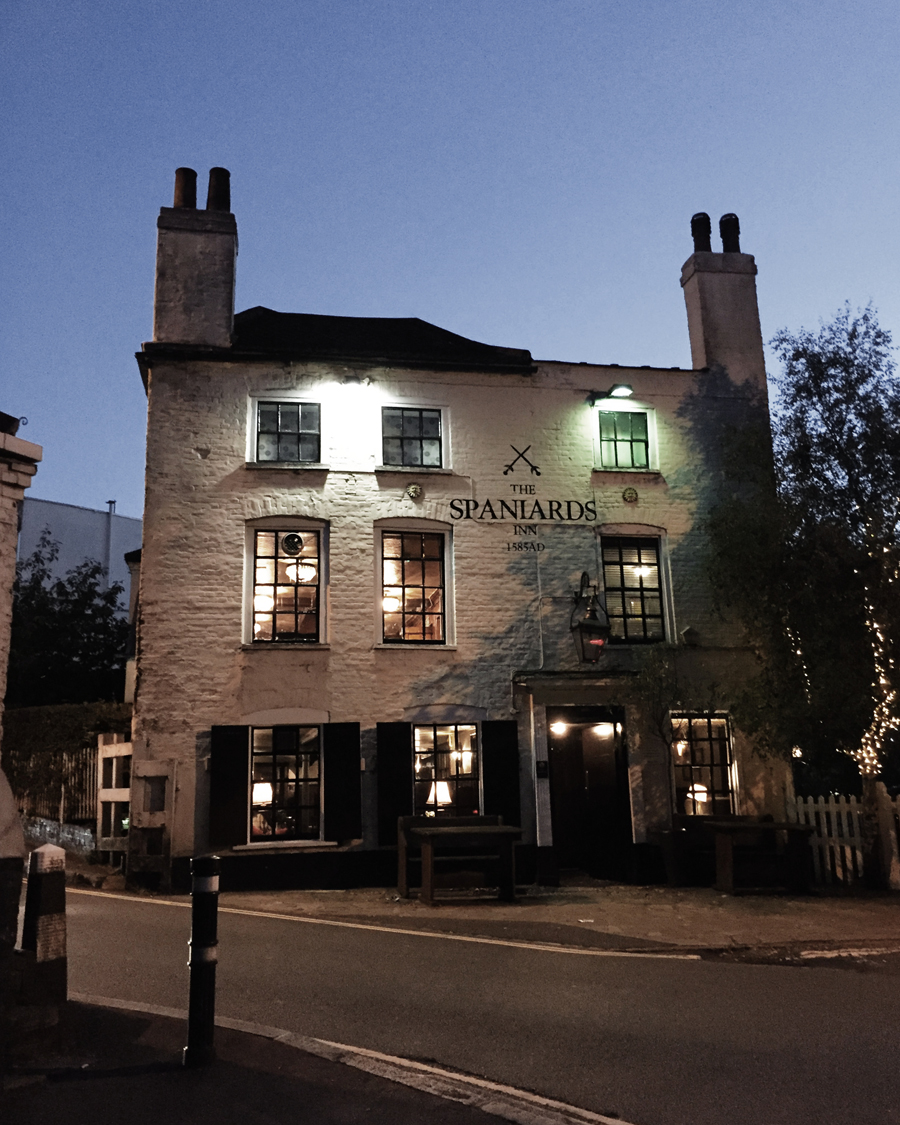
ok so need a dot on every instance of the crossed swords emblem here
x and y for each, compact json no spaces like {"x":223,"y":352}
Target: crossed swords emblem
{"x":521,"y":457}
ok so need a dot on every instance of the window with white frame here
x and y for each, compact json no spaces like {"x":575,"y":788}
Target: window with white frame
{"x":289,"y":432}
{"x":703,"y":765}
{"x":411,"y":437}
{"x":446,"y":770}
{"x":624,"y":439}
{"x":285,"y":783}
{"x":413,"y":599}
{"x":633,"y":587}
{"x":287,"y":568}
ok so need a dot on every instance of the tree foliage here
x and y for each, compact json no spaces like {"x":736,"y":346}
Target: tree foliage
{"x":804,"y":548}
{"x":68,"y":635}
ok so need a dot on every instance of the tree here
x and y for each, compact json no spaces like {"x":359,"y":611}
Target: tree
{"x":804,"y":547}
{"x":68,"y":635}
{"x":837,"y":448}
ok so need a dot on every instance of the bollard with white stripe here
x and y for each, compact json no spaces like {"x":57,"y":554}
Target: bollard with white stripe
{"x":200,"y":1049}
{"x":44,"y":925}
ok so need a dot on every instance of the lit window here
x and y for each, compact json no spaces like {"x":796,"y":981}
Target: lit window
{"x":624,"y":440}
{"x":412,"y":599}
{"x":631,"y":580}
{"x":288,"y":431}
{"x":446,"y":770}
{"x":411,"y":437}
{"x":286,"y":586}
{"x":284,"y":783}
{"x":702,"y":765}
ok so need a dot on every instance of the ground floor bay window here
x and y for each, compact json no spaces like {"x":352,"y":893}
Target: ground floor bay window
{"x":446,"y":770}
{"x":703,"y":765}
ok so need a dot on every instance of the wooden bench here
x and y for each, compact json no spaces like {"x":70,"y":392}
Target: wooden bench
{"x":773,"y":853}
{"x":458,"y":836}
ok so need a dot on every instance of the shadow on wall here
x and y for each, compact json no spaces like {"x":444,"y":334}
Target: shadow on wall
{"x":537,"y":598}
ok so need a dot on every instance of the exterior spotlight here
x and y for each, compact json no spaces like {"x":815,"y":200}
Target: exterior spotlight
{"x":617,"y":390}
{"x":589,"y":624}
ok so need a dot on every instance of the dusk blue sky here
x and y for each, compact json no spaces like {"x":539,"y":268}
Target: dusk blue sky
{"x":519,"y":172}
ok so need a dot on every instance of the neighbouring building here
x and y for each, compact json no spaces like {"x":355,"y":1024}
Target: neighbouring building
{"x":387,"y":569}
{"x":18,"y":463}
{"x":81,"y":534}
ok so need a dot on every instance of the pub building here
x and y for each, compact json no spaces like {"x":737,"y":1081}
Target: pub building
{"x":391,"y":571}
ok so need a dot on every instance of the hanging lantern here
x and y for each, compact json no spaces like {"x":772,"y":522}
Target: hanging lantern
{"x":590,"y":625}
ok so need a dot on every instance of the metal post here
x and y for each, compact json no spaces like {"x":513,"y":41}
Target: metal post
{"x":200,"y":1049}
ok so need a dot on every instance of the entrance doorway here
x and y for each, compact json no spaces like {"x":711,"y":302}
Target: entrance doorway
{"x":589,"y":799}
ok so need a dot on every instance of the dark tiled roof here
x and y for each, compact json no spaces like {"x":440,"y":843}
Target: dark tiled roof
{"x":398,"y":341}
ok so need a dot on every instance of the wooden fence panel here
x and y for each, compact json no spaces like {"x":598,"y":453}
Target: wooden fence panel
{"x":837,"y":842}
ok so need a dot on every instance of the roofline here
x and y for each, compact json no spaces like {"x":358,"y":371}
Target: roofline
{"x":200,"y":353}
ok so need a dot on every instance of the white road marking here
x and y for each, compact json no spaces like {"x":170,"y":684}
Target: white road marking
{"x":508,"y":1102}
{"x":538,"y":946}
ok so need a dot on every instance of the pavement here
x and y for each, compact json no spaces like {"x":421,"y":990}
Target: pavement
{"x":105,"y":1062}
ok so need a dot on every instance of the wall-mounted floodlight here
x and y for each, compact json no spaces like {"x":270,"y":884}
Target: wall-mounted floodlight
{"x":617,"y":390}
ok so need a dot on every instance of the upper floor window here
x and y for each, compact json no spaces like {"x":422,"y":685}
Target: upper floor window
{"x":288,"y":431}
{"x":446,"y":770}
{"x":411,"y":437}
{"x":413,"y":609}
{"x":703,"y":765}
{"x":624,"y":439}
{"x":286,"y":578}
{"x":631,"y":578}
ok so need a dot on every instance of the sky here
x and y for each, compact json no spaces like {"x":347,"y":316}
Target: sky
{"x":521,"y":172}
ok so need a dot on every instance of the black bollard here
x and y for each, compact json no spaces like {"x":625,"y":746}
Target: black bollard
{"x":200,"y":1049}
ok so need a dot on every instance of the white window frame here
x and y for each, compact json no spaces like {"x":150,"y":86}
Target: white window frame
{"x":625,"y":406}
{"x":444,"y":412}
{"x":433,"y":527}
{"x":290,"y":399}
{"x":642,"y":531}
{"x":285,"y":523}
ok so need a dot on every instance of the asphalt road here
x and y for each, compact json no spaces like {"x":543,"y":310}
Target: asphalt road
{"x":656,"y":1042}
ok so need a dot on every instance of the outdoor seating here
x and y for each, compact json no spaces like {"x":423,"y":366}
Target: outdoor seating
{"x":484,"y":840}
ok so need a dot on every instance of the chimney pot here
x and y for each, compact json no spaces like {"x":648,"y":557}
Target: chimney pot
{"x":218,"y":197}
{"x":730,"y":230}
{"x":185,"y":188}
{"x":701,"y":232}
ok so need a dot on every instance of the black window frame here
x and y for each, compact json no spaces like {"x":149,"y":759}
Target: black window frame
{"x":410,"y":447}
{"x":311,"y":437}
{"x":703,"y":769}
{"x":623,"y":439}
{"x":264,"y":622}
{"x":287,"y":742}
{"x":412,"y":589}
{"x":463,"y":788}
{"x":621,"y":596}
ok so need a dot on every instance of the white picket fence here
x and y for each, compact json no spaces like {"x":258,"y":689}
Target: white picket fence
{"x":837,"y":841}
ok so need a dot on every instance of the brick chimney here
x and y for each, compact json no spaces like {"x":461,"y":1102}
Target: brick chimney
{"x":195,"y":259}
{"x":722,"y":311}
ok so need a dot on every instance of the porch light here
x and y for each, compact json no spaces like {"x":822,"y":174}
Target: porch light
{"x":617,"y":390}
{"x":589,"y":623}
{"x":558,"y":728}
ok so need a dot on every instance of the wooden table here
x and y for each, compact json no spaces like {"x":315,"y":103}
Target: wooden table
{"x":731,"y":833}
{"x":452,"y":835}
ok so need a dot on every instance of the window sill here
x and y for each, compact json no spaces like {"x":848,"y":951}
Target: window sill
{"x":629,"y":472}
{"x":288,"y":466}
{"x":407,"y":646}
{"x":268,"y":845}
{"x":284,"y":646}
{"x":431,"y":470}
